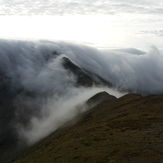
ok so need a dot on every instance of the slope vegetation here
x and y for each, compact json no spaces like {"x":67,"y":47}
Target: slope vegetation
{"x":128,"y":129}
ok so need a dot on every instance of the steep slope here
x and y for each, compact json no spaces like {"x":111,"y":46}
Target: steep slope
{"x":19,"y":103}
{"x":83,"y":77}
{"x":128,"y":129}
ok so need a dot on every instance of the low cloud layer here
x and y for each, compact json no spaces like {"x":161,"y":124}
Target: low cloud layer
{"x":39,"y":95}
{"x":158,"y":33}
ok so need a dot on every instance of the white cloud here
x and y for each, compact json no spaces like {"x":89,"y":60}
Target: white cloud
{"x":82,"y":7}
{"x":158,"y":33}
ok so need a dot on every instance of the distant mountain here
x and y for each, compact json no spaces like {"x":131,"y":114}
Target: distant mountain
{"x":128,"y":129}
{"x":83,"y":76}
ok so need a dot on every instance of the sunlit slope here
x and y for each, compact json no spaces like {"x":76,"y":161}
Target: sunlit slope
{"x":129,"y":129}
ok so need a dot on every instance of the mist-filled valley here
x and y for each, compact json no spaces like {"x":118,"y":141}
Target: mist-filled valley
{"x":45,"y":84}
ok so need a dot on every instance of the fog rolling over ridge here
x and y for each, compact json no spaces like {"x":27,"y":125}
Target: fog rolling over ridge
{"x":40,"y":90}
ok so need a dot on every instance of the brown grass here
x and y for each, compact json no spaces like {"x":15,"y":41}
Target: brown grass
{"x":127,"y":130}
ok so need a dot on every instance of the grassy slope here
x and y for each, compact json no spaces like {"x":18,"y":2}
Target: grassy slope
{"x":129,"y":129}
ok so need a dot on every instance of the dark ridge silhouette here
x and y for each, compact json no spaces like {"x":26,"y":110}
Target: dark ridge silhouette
{"x":84,"y":77}
{"x":100,"y":97}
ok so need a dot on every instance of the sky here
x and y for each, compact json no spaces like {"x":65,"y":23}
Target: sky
{"x":100,"y":23}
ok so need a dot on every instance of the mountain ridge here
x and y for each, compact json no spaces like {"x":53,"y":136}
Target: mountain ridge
{"x":125,"y":130}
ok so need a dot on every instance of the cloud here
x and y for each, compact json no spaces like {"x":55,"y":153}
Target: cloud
{"x":82,"y":7}
{"x":41,"y":94}
{"x":44,"y":95}
{"x":158,"y":33}
{"x":60,"y":111}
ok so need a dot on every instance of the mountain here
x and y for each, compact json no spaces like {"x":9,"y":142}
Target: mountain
{"x":83,"y":76}
{"x":18,"y":103}
{"x":128,"y":129}
{"x":44,"y":85}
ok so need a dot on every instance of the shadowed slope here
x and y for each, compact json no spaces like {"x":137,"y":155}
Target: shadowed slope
{"x":18,"y":104}
{"x":84,"y":77}
{"x":129,"y":129}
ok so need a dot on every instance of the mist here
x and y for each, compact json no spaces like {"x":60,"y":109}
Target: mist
{"x":44,"y":95}
{"x":60,"y":111}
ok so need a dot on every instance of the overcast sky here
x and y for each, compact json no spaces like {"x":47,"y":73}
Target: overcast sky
{"x":84,"y":7}
{"x":103,"y":22}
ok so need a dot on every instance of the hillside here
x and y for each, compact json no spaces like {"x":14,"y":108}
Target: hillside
{"x":128,"y":129}
{"x":18,"y":103}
